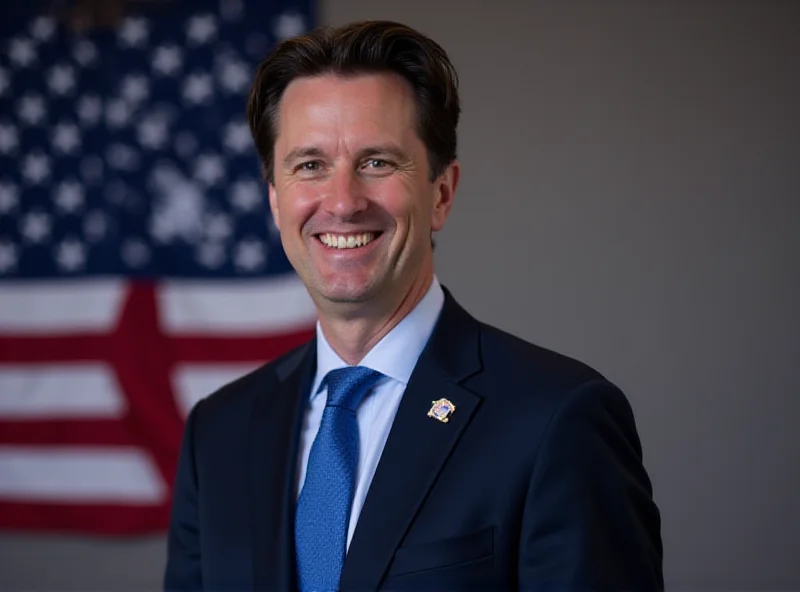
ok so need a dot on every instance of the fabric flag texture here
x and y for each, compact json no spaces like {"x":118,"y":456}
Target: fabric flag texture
{"x":139,"y":269}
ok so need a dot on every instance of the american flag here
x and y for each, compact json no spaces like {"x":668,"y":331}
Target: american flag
{"x":139,"y":269}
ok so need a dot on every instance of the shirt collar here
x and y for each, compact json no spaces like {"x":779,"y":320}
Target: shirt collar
{"x":396,"y":354}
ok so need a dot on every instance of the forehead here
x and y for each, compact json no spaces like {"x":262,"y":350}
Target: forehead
{"x":334,"y":104}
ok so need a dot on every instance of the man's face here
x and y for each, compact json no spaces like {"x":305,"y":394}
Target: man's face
{"x":352,"y":194}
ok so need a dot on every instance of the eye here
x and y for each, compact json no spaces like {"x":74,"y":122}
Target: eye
{"x":310,"y":165}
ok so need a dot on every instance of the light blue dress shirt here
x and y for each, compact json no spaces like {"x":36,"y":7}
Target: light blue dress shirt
{"x":394,"y":356}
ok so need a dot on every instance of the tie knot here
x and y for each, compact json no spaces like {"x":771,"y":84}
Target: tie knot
{"x":347,"y":386}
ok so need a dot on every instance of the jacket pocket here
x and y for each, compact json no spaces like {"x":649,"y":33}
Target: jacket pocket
{"x":443,"y":553}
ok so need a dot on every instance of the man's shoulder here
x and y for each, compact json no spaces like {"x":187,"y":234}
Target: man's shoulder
{"x":242,"y":392}
{"x":517,"y":361}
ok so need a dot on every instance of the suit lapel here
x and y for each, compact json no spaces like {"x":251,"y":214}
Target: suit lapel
{"x":417,"y":447}
{"x":273,"y":439}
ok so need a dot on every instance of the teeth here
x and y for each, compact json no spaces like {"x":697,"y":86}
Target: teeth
{"x":350,"y":241}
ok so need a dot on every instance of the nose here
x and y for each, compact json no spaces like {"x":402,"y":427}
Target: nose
{"x":344,"y":194}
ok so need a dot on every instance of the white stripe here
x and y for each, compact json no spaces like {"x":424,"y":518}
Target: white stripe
{"x":79,"y":475}
{"x":57,"y":391}
{"x":192,"y":382}
{"x":59,"y":307}
{"x":239,"y":307}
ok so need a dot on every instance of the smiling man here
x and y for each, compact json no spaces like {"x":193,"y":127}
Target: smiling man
{"x":408,"y":446}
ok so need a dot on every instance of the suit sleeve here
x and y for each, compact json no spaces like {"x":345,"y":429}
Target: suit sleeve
{"x":590,"y":522}
{"x":183,"y":541}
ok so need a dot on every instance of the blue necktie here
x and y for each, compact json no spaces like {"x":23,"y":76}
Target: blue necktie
{"x":323,"y":509}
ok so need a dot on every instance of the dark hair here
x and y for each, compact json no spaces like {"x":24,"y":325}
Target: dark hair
{"x":359,"y":48}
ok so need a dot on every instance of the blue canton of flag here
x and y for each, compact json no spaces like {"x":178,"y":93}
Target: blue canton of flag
{"x":139,"y":268}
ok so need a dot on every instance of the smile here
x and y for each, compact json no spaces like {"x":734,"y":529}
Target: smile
{"x":347,"y":241}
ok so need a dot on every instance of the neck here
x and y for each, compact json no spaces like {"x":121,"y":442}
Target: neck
{"x":353,"y":336}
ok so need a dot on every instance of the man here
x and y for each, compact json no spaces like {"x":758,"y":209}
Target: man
{"x":408,"y":446}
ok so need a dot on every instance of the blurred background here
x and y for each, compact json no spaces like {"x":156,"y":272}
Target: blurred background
{"x":630,"y":197}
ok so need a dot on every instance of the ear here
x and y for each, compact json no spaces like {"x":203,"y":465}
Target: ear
{"x":273,"y":206}
{"x":446,"y":185}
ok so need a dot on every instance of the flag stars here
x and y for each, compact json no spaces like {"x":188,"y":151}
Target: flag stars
{"x":135,"y":253}
{"x":95,"y":226}
{"x":118,"y":113}
{"x":85,"y":53}
{"x":217,"y":227}
{"x":152,"y":132}
{"x":133,"y":32}
{"x":31,"y":109}
{"x":66,"y":138}
{"x":197,"y":88}
{"x":9,"y":197}
{"x":289,"y":24}
{"x":36,"y":168}
{"x":134,"y":88}
{"x":71,"y":254}
{"x":69,"y":196}
{"x":209,"y":169}
{"x":249,"y":255}
{"x":4,"y":83}
{"x":22,"y":52}
{"x":35,"y":227}
{"x":210,"y":255}
{"x":43,"y":28}
{"x":90,"y":108}
{"x":61,"y":79}
{"x":167,"y":59}
{"x":234,"y":76}
{"x":201,"y":29}
{"x":246,"y":195}
{"x":8,"y":257}
{"x":122,"y":157}
{"x":237,"y":137}
{"x":231,"y":10}
{"x":9,"y":139}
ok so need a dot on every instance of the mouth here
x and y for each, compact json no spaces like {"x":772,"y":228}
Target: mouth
{"x":347,"y":241}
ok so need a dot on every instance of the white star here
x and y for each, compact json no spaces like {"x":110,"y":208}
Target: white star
{"x":237,"y":137}
{"x":201,"y":29}
{"x":22,"y":52}
{"x":9,"y":139}
{"x":134,"y":88}
{"x":3,"y":81}
{"x":69,"y":196}
{"x":36,"y":168}
{"x":289,"y":24}
{"x":35,"y":227}
{"x":185,"y":144}
{"x":61,"y":79}
{"x":217,"y":227}
{"x":95,"y":225}
{"x":209,"y":169}
{"x":71,"y":254}
{"x":233,"y":75}
{"x":250,"y":254}
{"x":246,"y":195}
{"x":231,"y":10}
{"x":133,"y":32}
{"x":90,"y":107}
{"x":210,"y":255}
{"x":167,"y":59}
{"x":152,"y":131}
{"x":9,"y":197}
{"x":92,"y":169}
{"x":8,"y":257}
{"x":43,"y":28}
{"x":66,"y":137}
{"x":31,"y":109}
{"x":118,"y":113}
{"x":197,"y":88}
{"x":122,"y":157}
{"x":85,"y":52}
{"x":135,"y":253}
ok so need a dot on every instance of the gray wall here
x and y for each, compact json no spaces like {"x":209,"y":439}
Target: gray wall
{"x":631,"y":197}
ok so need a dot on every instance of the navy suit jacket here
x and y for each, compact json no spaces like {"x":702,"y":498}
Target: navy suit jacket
{"x":535,"y":483}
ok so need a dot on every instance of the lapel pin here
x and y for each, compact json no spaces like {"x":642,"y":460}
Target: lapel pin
{"x":442,"y":410}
